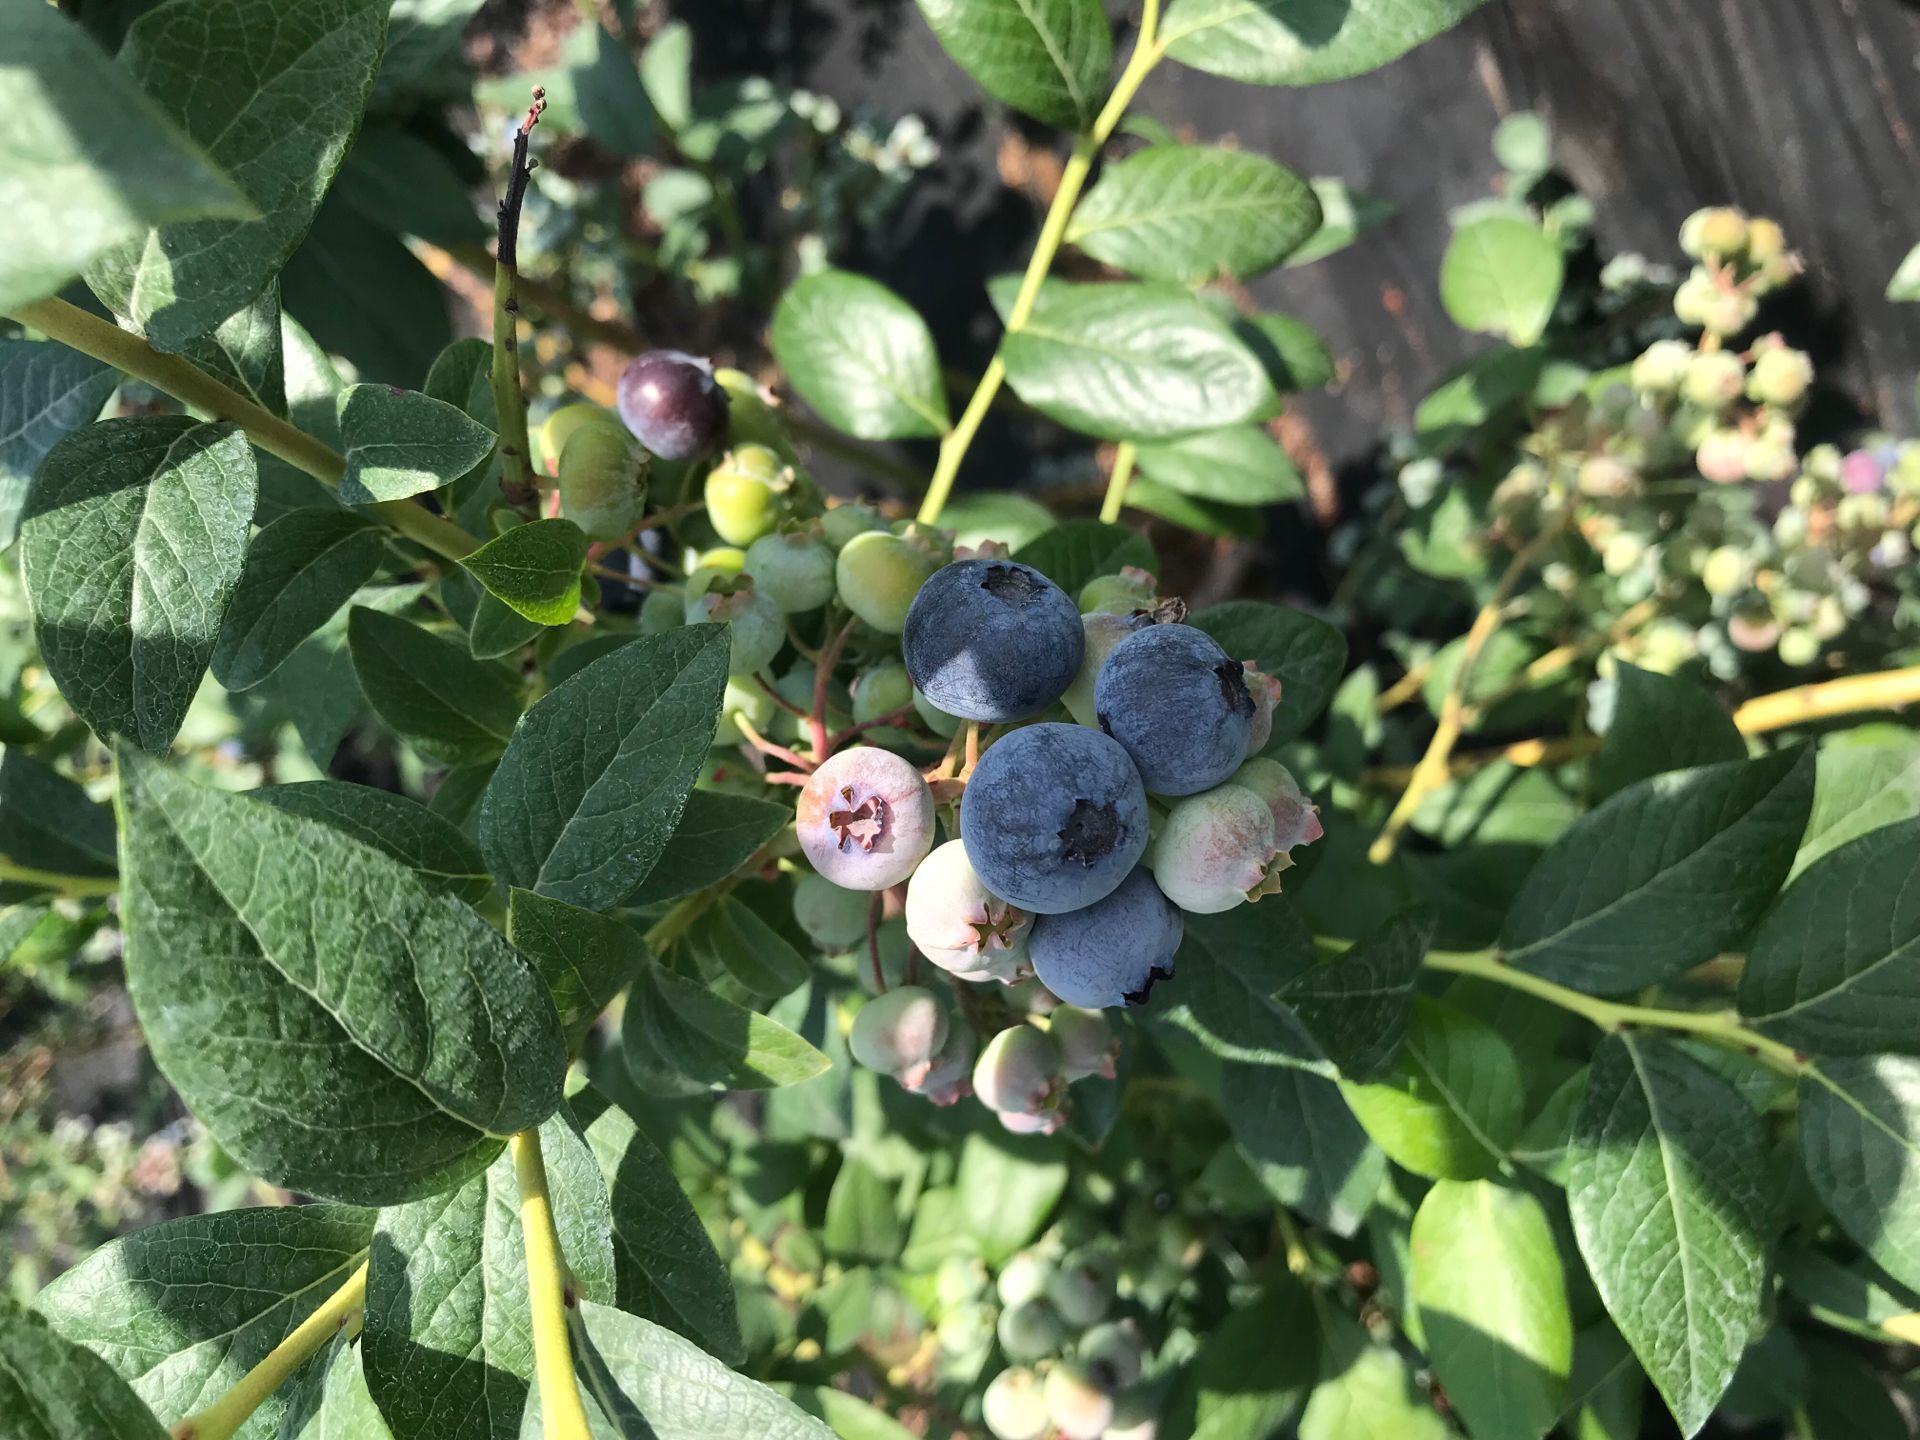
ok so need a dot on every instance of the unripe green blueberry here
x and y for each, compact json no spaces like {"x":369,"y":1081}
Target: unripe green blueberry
{"x":1030,"y":1330}
{"x":1132,"y":589}
{"x":1661,"y":367}
{"x":721,"y":563}
{"x":662,"y":611}
{"x":745,"y":492}
{"x":1113,"y":1354}
{"x":1731,"y":312}
{"x":1714,"y":380}
{"x":559,"y":426}
{"x":742,"y":699}
{"x":756,"y":628}
{"x":850,"y":518}
{"x":934,"y":718}
{"x":950,"y":1078}
{"x":1622,"y":553}
{"x":1722,"y":456}
{"x":750,"y":419}
{"x":959,"y":925}
{"x":794,"y":569}
{"x":1024,"y":1277}
{"x":1213,"y":849}
{"x":1079,"y":1409}
{"x":865,"y":818}
{"x":1087,"y":1043}
{"x":1018,"y":1073}
{"x":965,"y":1329}
{"x":1726,"y":571}
{"x":1770,"y":460}
{"x":1014,"y":1406}
{"x":1081,"y":1289}
{"x":1798,"y":646}
{"x":1695,"y":298}
{"x":877,"y":575}
{"x":960,"y":1280}
{"x":896,"y":959}
{"x":1780,"y":377}
{"x":1718,"y":231}
{"x":603,"y":485}
{"x":833,"y":918}
{"x":1766,"y":241}
{"x":899,"y":1033}
{"x":1103,"y":630}
{"x":880,"y":690}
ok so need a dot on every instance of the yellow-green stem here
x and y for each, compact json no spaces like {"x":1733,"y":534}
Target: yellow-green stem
{"x":509,"y":401}
{"x":78,"y":886}
{"x":187,"y":383}
{"x":562,"y":1414}
{"x":1053,"y":230}
{"x":1123,"y":457}
{"x":340,"y":1311}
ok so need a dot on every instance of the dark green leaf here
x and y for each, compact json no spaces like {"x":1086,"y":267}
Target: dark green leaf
{"x":681,"y":1025}
{"x":1493,"y":1307}
{"x":432,"y":848}
{"x":423,"y":53}
{"x":1664,"y":875}
{"x":1302,"y":42}
{"x":1661,"y":723}
{"x":1240,"y":465}
{"x":1451,"y":1105}
{"x":666,"y":69}
{"x":394,"y":341}
{"x":329,"y":1400}
{"x":245,"y":350}
{"x":1345,"y":215}
{"x":1358,"y":1005}
{"x":1299,"y":1135}
{"x":1229,"y":968}
{"x":400,"y":443}
{"x":1305,"y":653}
{"x":1605,"y":1388}
{"x":299,"y":571}
{"x":48,"y":822}
{"x":53,"y":1390}
{"x":1049,"y":58}
{"x":90,"y":163}
{"x":1482,"y":389}
{"x":594,"y":781}
{"x":397,"y":181}
{"x":1860,"y":1133}
{"x":275,"y":96}
{"x":361,"y":1006}
{"x":1194,"y":213}
{"x":534,"y":569}
{"x":733,"y":940}
{"x":497,"y":630}
{"x":860,"y":356}
{"x":1202,"y":517}
{"x":183,"y":1309}
{"x":1006,"y":1188}
{"x":718,"y":833}
{"x":447,"y":705}
{"x":1368,"y":1392}
{"x":1076,"y":551}
{"x":46,"y":390}
{"x":613,"y":102}
{"x":1501,"y":276}
{"x":666,"y":1266}
{"x":1133,"y":361}
{"x":130,"y":544}
{"x":1294,"y":356}
{"x":1849,"y":1399}
{"x":1242,"y":1384}
{"x":585,"y":958}
{"x":317,"y":683}
{"x":1667,"y":1180}
{"x":861,"y":1222}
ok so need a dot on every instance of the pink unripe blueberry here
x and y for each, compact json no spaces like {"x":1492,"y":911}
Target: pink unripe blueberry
{"x":1087,"y":1043}
{"x":865,"y":818}
{"x":1019,"y":1073}
{"x":1082,"y":1288}
{"x":1079,"y":1409}
{"x":1030,"y":1330}
{"x":1296,"y":819}
{"x":1861,"y":473}
{"x":899,"y":1033}
{"x":949,"y":1079}
{"x":1212,"y":849}
{"x":1113,"y":1354}
{"x":962,"y":927}
{"x":1722,"y":456}
{"x":1014,"y":1406}
{"x":1045,"y":1123}
{"x":1265,"y":690}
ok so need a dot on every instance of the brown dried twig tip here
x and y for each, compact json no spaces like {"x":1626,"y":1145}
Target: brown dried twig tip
{"x":517,"y":176}
{"x":517,"y":485}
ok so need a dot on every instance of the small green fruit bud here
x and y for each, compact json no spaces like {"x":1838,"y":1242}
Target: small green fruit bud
{"x":744,"y":493}
{"x":1780,"y":377}
{"x":1661,"y":367}
{"x":1714,"y":380}
{"x":603,"y":481}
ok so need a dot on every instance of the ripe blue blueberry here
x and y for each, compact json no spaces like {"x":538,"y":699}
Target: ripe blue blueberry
{"x":865,"y":819}
{"x":1179,"y":705}
{"x":1054,"y":818}
{"x":1111,"y":952}
{"x":672,"y":404}
{"x":992,"y":640}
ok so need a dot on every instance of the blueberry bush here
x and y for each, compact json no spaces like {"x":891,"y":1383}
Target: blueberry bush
{"x":668,"y":915}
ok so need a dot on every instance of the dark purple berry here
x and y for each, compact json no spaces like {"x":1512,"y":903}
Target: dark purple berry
{"x":672,"y":404}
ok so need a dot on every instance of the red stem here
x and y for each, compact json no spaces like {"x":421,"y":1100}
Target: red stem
{"x":892,"y":717}
{"x":823,"y":672}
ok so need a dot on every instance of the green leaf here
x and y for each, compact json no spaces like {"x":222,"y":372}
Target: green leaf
{"x":1202,"y":517}
{"x":650,"y":1384}
{"x":130,"y":544}
{"x":432,"y":848}
{"x":1006,"y":1190}
{"x":246,"y":351}
{"x":666,"y":1267}
{"x":718,"y":833}
{"x":497,"y":630}
{"x":46,"y":390}
{"x":1133,"y":361}
{"x":1668,"y":1182}
{"x":534,"y":569}
{"x":1305,"y":653}
{"x":1240,"y":465}
{"x":861,"y":1223}
{"x":585,"y":958}
{"x":1242,"y":1384}
{"x":447,"y":705}
{"x":1076,"y":551}
{"x":1358,"y":1005}
{"x":1501,"y":276}
{"x":400,"y":443}
{"x":362,"y":1007}
{"x":317,"y":682}
{"x":275,"y":96}
{"x":1664,"y":875}
{"x":1299,"y":1135}
{"x":1302,"y":42}
{"x":448,"y":1343}
{"x":399,"y":181}
{"x":594,"y":780}
{"x":1345,"y":215}
{"x":1451,"y":1106}
{"x":1858,"y":788}
{"x":393,"y":341}
{"x":860,"y":356}
{"x":666,"y":69}
{"x":299,"y":571}
{"x":48,"y":822}
{"x":1488,"y":386}
{"x":1860,"y":1134}
{"x":1661,"y":723}
{"x":1493,"y":1306}
{"x":1194,"y":213}
{"x":90,"y":163}
{"x":684,"y":1027}
{"x":1049,"y":58}
{"x":1230,"y":966}
{"x":1368,"y":1392}
{"x":329,"y":1399}
{"x":732,"y":941}
{"x":1905,"y":284}
{"x":1605,"y":1389}
{"x":1835,"y":967}
{"x":53,"y":1390}
{"x":181,"y":1310}
{"x":1295,"y":357}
